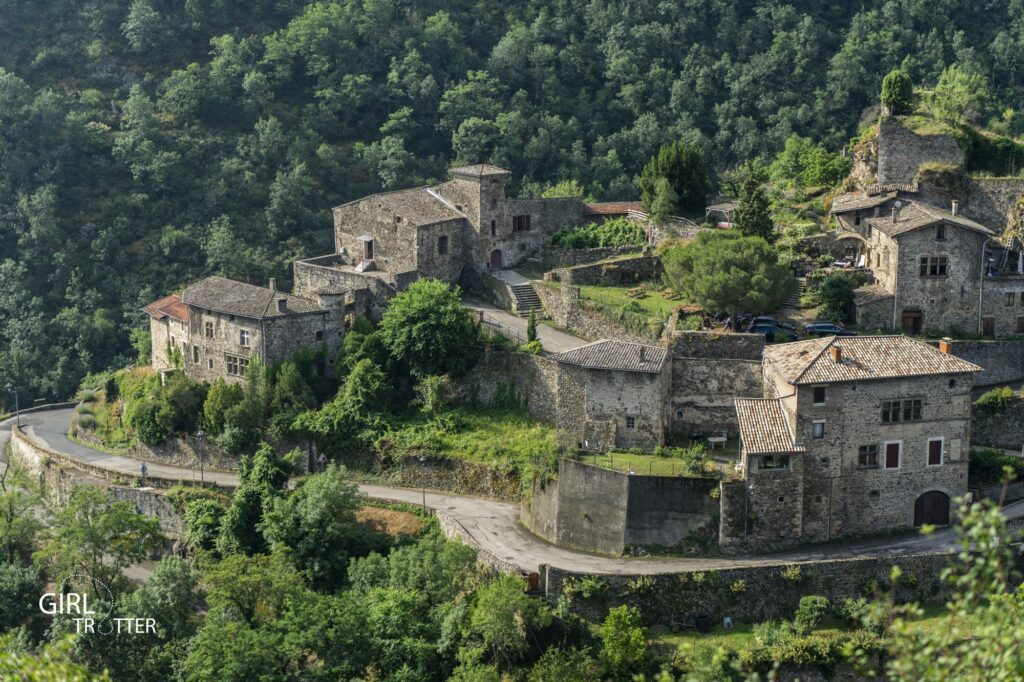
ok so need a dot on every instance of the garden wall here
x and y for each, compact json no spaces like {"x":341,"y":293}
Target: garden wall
{"x":554,"y":257}
{"x":750,"y":594}
{"x":534,"y":379}
{"x":458,"y":476}
{"x":621,"y":272}
{"x":567,"y":310}
{"x":595,"y":509}
{"x":1002,"y":360}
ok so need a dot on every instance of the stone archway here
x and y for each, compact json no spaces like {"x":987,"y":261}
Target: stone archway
{"x":496,"y":263}
{"x":932,"y":508}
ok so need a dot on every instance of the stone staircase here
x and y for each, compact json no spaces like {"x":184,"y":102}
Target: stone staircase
{"x":526,"y":299}
{"x":794,"y":298}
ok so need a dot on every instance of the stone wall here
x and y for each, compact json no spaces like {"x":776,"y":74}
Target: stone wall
{"x":534,"y":378}
{"x":987,"y":200}
{"x":621,"y":272}
{"x":1002,"y":360}
{"x":600,"y":510}
{"x":370,"y":292}
{"x":458,"y":476}
{"x":901,"y":151}
{"x":999,"y":429}
{"x":751,"y":594}
{"x":554,"y":257}
{"x":709,"y":371}
{"x":563,"y":305}
{"x":182,"y":452}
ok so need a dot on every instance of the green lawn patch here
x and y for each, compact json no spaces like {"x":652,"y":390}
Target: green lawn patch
{"x":652,"y":298}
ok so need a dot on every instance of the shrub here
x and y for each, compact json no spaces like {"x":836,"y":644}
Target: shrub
{"x":738,"y":586}
{"x":897,"y":92}
{"x":987,"y":467}
{"x":533,"y":348}
{"x":810,"y":612}
{"x":150,"y":420}
{"x":87,"y":421}
{"x":791,"y":574}
{"x":87,"y":396}
{"x":624,"y":639}
{"x":997,"y":400}
{"x":202,"y":521}
{"x":690,"y":323}
{"x":772,"y":633}
{"x":611,"y":233}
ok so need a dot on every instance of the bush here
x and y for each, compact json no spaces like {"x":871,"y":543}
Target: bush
{"x":624,"y":640}
{"x":237,"y":441}
{"x":611,"y":233}
{"x":533,"y":348}
{"x":810,"y":612}
{"x":997,"y":400}
{"x":772,"y":633}
{"x":150,"y":421}
{"x":987,"y":467}
{"x":202,"y":520}
{"x":87,"y":421}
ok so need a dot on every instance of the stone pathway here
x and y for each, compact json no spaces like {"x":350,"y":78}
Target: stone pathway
{"x":514,"y":327}
{"x":495,"y":526}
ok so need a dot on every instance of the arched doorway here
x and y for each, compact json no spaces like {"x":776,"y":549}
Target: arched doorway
{"x":932,"y":508}
{"x":496,"y":259}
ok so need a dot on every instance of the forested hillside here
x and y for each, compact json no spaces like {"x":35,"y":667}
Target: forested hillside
{"x":147,"y":143}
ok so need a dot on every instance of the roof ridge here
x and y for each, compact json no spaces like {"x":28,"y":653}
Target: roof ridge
{"x":815,"y":358}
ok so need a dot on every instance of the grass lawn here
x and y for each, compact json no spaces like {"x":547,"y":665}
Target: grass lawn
{"x":506,"y":438}
{"x":639,"y":464}
{"x":652,"y":301}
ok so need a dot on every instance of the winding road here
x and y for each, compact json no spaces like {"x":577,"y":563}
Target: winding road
{"x":494,"y":525}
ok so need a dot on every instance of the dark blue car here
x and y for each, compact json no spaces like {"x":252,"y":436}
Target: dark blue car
{"x":826,"y":329}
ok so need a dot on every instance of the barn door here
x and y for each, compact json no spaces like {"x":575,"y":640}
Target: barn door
{"x":932,"y":508}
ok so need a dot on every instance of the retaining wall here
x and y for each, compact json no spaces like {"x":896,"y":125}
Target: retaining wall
{"x":750,"y":594}
{"x":554,"y":257}
{"x":584,"y":318}
{"x":600,"y":510}
{"x":1003,"y":429}
{"x":620,"y":272}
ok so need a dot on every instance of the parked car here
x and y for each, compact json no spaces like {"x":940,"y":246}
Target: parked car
{"x":772,"y":333}
{"x":773,"y":322}
{"x":827,"y":329}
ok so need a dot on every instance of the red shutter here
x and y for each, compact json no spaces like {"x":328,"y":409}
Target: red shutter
{"x":935,"y":452}
{"x":892,"y":455}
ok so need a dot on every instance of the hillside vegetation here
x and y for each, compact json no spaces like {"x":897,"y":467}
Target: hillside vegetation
{"x":148,"y":143}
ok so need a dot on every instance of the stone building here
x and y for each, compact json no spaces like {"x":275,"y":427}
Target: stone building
{"x":452,"y":231}
{"x":218,"y":325}
{"x":854,"y":435}
{"x":933,"y":268}
{"x":613,"y":394}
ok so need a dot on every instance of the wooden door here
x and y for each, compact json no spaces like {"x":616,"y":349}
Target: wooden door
{"x":912,"y":322}
{"x":988,"y":326}
{"x":892,"y":455}
{"x":932,"y":508}
{"x":496,"y":259}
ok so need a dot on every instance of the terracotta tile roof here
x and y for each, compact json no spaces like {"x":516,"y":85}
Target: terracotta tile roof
{"x":914,"y":215}
{"x":616,"y":355}
{"x":764,"y":427}
{"x":878,"y":188}
{"x":168,"y":306}
{"x":478,"y":170}
{"x":612,"y":207}
{"x":861,"y":358}
{"x":855,"y":201}
{"x":247,"y":300}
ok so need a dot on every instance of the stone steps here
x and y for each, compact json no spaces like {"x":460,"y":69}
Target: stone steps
{"x":526,"y":299}
{"x":794,"y":298}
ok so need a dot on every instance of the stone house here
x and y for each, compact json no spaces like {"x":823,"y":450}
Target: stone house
{"x":613,"y":394}
{"x":933,"y":268}
{"x":854,"y":435}
{"x":219,"y":324}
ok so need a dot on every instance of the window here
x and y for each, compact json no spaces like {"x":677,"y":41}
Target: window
{"x":494,"y":228}
{"x":630,"y":422}
{"x":933,"y":266}
{"x":209,"y":363}
{"x":243,"y":338}
{"x":233,"y":365}
{"x":320,"y":335}
{"x":892,"y":455}
{"x":856,"y":217}
{"x":442,"y":245}
{"x":819,"y":395}
{"x":774,"y":462}
{"x":867,"y":457}
{"x":172,"y":342}
{"x":1010,"y":298}
{"x":521,"y":223}
{"x":934,"y":452}
{"x":818,"y":429}
{"x":901,"y":411}
{"x":874,"y":494}
{"x":940,"y":233}
{"x":869,"y":229}
{"x":1020,"y":325}
{"x":195,"y":355}
{"x":209,"y":330}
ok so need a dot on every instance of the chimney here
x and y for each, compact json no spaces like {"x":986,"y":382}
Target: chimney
{"x":895,"y":212}
{"x":955,"y":207}
{"x":273,"y":284}
{"x":282,"y":305}
{"x":946,"y":346}
{"x":837,"y":354}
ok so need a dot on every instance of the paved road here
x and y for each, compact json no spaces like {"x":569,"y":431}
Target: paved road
{"x":494,"y":524}
{"x":553,"y":340}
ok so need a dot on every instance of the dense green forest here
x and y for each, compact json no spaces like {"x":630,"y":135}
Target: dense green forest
{"x":147,"y":143}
